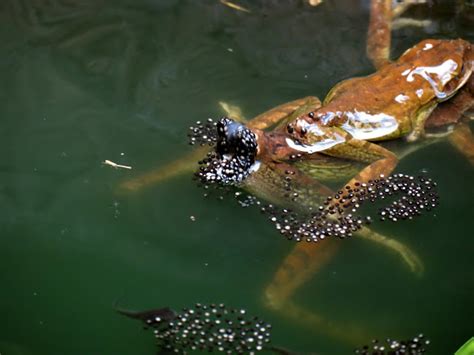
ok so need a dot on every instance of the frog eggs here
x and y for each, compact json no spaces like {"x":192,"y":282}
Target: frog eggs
{"x":212,"y":328}
{"x":335,"y":217}
{"x":233,"y":158}
{"x":415,"y":346}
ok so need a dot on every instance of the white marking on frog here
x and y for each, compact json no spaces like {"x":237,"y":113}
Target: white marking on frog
{"x":427,"y":46}
{"x":255,"y":166}
{"x":401,"y":98}
{"x":330,"y":139}
{"x":444,"y":72}
{"x":365,"y":126}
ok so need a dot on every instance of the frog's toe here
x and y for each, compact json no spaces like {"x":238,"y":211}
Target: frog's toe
{"x":411,"y":259}
{"x":232,"y":111}
{"x":441,"y":134}
{"x":413,"y":137}
{"x":403,"y":22}
{"x":469,"y":115}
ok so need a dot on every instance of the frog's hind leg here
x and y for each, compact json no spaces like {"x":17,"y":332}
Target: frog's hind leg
{"x":455,"y":112}
{"x":381,"y":162}
{"x":306,"y":260}
{"x":382,"y":14}
{"x":303,"y":262}
{"x":379,"y":33}
{"x":463,"y":140}
{"x":183,"y":165}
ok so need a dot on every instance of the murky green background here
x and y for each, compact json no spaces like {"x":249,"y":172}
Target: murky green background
{"x":83,"y":81}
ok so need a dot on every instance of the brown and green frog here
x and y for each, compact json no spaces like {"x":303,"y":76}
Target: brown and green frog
{"x":360,"y":131}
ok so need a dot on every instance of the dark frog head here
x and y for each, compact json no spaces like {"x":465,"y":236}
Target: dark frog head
{"x":235,"y":150}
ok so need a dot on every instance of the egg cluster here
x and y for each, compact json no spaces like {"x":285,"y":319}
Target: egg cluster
{"x":203,"y":133}
{"x":416,"y":346}
{"x":211,"y":328}
{"x":335,"y":216}
{"x":232,"y":160}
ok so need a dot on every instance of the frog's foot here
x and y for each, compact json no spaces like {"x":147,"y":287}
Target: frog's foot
{"x":350,"y":333}
{"x":409,"y":257}
{"x":414,"y":136}
{"x":468,"y":115}
{"x":232,"y":111}
{"x":418,"y":130}
{"x":301,"y":264}
{"x":442,"y":134}
{"x":400,"y":7}
{"x":403,"y":22}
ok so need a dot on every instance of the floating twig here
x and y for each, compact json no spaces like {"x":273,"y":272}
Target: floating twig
{"x":115,"y":165}
{"x":234,"y":6}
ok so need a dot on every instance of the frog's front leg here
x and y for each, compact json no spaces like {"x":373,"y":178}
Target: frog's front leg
{"x":381,"y":161}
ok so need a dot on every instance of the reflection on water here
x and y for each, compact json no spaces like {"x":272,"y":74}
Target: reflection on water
{"x":85,"y":81}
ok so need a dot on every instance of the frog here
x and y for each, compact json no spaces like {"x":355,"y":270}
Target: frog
{"x":400,"y":109}
{"x":396,"y":101}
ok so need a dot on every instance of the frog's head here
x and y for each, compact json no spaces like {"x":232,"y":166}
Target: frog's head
{"x":312,"y":135}
{"x":233,"y":158}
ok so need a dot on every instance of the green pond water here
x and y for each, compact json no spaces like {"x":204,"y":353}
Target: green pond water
{"x":84,"y":81}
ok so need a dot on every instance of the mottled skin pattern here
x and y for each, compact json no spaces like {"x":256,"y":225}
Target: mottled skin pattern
{"x":342,"y":162}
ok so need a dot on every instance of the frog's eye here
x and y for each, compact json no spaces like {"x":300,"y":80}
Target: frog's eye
{"x":290,"y":128}
{"x":311,"y":114}
{"x":303,"y":131}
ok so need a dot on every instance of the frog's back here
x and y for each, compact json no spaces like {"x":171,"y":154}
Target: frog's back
{"x":424,"y":74}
